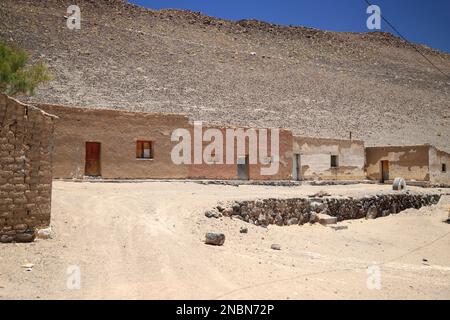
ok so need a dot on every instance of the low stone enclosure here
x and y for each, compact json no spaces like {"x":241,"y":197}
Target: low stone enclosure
{"x":303,"y":210}
{"x":25,"y":170}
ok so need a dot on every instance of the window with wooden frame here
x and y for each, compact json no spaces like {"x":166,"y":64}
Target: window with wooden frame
{"x":334,"y":161}
{"x":144,"y":149}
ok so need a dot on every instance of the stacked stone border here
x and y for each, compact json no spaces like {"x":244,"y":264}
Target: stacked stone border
{"x":305,"y":210}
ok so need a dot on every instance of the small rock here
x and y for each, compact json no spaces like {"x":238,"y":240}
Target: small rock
{"x":243,"y":230}
{"x":275,"y":246}
{"x":320,"y":194}
{"x":372,"y":213}
{"x":27,"y":236}
{"x":6,"y":239}
{"x":385,"y":213}
{"x":313,"y":218}
{"x":337,"y":227}
{"x":44,"y":233}
{"x":325,"y":219}
{"x":27,"y":265}
{"x":213,"y":214}
{"x":216,"y":239}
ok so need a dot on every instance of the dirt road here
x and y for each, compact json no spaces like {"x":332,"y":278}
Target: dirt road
{"x":145,"y":240}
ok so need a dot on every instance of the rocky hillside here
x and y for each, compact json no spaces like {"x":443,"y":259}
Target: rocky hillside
{"x":247,"y":72}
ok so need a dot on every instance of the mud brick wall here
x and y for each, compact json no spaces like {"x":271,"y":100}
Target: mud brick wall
{"x":25,"y":170}
{"x":303,"y":210}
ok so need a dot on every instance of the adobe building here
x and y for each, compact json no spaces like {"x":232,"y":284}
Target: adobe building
{"x":423,"y":163}
{"x":25,"y":170}
{"x":244,"y":168}
{"x":327,"y":159}
{"x":116,"y":144}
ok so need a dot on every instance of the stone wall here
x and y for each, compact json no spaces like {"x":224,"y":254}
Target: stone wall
{"x":315,"y":158}
{"x":408,"y":162}
{"x":25,"y":170}
{"x":303,"y":210}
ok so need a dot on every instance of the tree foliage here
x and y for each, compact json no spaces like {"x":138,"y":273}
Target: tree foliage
{"x":16,"y":77}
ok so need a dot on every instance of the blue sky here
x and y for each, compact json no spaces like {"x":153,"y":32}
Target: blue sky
{"x":420,"y":21}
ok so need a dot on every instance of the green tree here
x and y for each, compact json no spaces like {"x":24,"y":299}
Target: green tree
{"x":15,"y":76}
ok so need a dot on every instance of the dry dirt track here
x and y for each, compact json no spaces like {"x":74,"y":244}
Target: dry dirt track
{"x":144,"y":240}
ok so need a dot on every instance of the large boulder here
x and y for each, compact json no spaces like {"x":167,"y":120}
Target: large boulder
{"x":399,"y":184}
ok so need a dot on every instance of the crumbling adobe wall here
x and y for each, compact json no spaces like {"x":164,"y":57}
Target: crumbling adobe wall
{"x":408,"y":162}
{"x":315,"y":158}
{"x":437,"y":159}
{"x":302,"y":210}
{"x":25,"y":170}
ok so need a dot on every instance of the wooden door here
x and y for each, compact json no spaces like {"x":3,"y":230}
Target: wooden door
{"x":92,"y":166}
{"x":384,"y":171}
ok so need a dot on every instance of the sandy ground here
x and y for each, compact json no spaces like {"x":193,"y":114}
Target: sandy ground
{"x":145,"y":241}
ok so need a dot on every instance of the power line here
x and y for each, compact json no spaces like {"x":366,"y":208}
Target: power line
{"x":411,"y":44}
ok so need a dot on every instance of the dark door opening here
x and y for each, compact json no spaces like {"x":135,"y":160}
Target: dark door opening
{"x":384,"y":171}
{"x":242,"y":168}
{"x":296,"y":168}
{"x":92,"y":165}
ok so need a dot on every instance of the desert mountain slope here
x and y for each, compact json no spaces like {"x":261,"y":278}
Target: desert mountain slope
{"x":314,"y":82}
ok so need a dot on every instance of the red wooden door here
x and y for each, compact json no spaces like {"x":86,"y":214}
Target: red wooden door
{"x":384,"y":171}
{"x":92,"y":167}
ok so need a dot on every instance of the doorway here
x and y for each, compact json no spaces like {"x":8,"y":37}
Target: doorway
{"x":242,"y":168}
{"x":384,"y":171}
{"x":296,"y":171}
{"x":92,"y":164}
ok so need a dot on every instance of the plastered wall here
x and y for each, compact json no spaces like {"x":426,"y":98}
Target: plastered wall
{"x":437,"y":158}
{"x":408,"y":162}
{"x":315,"y":158}
{"x":118,"y":131}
